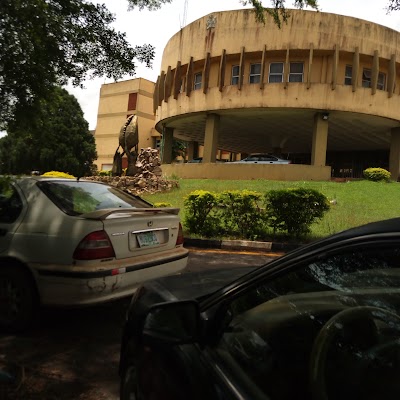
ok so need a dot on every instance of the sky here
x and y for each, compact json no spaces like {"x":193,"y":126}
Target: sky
{"x":157,"y":27}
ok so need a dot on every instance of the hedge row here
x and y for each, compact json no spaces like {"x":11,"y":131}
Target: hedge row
{"x":248,"y":215}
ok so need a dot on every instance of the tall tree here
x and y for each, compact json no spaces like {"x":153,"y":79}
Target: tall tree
{"x":53,"y":136}
{"x":47,"y":42}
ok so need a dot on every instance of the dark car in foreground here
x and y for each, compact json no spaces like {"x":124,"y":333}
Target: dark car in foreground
{"x":321,"y":322}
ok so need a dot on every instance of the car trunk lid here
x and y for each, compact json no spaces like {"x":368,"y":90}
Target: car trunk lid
{"x":139,"y":230}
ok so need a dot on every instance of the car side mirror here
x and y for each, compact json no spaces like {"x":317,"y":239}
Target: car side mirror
{"x":173,"y":323}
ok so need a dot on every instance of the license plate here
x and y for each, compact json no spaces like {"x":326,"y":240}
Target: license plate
{"x":146,"y":239}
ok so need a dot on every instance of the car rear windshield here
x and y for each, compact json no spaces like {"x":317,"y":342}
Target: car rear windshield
{"x":80,"y":197}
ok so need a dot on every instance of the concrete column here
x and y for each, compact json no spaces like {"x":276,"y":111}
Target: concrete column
{"x":166,"y":151}
{"x":192,"y":150}
{"x":211,"y":138}
{"x":319,"y":140}
{"x":394,"y":156}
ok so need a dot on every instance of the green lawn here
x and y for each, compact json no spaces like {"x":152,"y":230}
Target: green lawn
{"x":358,"y":202}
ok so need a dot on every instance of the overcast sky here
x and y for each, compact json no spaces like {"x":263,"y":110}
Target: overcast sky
{"x":157,"y":27}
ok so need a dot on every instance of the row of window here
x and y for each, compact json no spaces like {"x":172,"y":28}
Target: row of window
{"x":366,"y":78}
{"x":296,"y":74}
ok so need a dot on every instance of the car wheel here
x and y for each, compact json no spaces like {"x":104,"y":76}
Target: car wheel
{"x":129,"y":389}
{"x":18,"y":298}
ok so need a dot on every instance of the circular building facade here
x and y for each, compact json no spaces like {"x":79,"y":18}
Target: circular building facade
{"x":323,"y":90}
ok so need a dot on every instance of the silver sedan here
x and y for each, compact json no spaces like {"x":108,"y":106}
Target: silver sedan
{"x":66,"y":242}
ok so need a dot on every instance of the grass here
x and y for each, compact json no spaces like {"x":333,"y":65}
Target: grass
{"x":357,"y":202}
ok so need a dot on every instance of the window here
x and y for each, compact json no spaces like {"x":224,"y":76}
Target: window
{"x":348,"y":75}
{"x":296,"y":72}
{"x":132,"y":101}
{"x":255,"y":73}
{"x":279,"y":330}
{"x":10,"y":204}
{"x":182,"y":87}
{"x":366,"y":79}
{"x":235,"y":75}
{"x":381,"y":81}
{"x":197,"y":81}
{"x":275,"y":72}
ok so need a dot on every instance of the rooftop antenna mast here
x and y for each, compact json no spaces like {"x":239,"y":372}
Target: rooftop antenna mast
{"x":185,"y":7}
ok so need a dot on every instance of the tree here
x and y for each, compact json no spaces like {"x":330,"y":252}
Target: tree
{"x":47,"y":42}
{"x":394,"y":5}
{"x":53,"y":136}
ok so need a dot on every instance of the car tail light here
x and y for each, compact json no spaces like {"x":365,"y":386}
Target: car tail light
{"x":179,"y":239}
{"x":94,"y":246}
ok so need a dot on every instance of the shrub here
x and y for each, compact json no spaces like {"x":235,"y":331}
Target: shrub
{"x":162,"y":204}
{"x":377,"y":174}
{"x":200,"y":215}
{"x":294,"y":210}
{"x":102,"y":172}
{"x":58,"y":174}
{"x":240,"y":213}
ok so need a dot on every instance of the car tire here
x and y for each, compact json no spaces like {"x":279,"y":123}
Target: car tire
{"x":18,"y":298}
{"x":129,"y":389}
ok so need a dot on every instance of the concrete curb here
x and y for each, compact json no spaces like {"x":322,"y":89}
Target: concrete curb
{"x":240,"y":245}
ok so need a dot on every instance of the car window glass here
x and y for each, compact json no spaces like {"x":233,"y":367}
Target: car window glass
{"x":76,"y":198}
{"x":10,"y":204}
{"x":322,"y":328}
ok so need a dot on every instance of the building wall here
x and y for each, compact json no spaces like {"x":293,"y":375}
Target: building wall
{"x":113,"y":111}
{"x":289,"y":172}
{"x":312,"y":38}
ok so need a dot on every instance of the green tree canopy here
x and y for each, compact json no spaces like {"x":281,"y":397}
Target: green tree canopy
{"x":54,"y":136}
{"x":47,"y":42}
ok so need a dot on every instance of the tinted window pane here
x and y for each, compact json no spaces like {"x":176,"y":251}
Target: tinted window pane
{"x":276,"y":68}
{"x":254,"y":78}
{"x":296,"y":68}
{"x":255,"y":68}
{"x":295,"y":78}
{"x":275,"y":78}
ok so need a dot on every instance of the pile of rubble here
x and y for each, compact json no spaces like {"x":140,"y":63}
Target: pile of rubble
{"x":148,"y":178}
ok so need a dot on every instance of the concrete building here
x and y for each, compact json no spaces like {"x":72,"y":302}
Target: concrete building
{"x":117,"y":102}
{"x":324,"y":91}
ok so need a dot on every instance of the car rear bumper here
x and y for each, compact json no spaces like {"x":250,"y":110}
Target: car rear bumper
{"x":70,"y":286}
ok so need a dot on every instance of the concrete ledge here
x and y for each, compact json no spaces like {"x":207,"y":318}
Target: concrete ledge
{"x":246,"y":245}
{"x":243,"y":245}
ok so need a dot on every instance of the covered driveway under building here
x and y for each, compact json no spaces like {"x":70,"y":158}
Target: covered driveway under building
{"x":347,"y":142}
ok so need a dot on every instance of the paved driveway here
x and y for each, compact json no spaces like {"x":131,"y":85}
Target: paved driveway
{"x":74,"y":354}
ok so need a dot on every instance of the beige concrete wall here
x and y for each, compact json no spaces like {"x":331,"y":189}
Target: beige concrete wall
{"x":319,"y":96}
{"x":305,"y":30}
{"x":289,"y":172}
{"x":239,"y":28}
